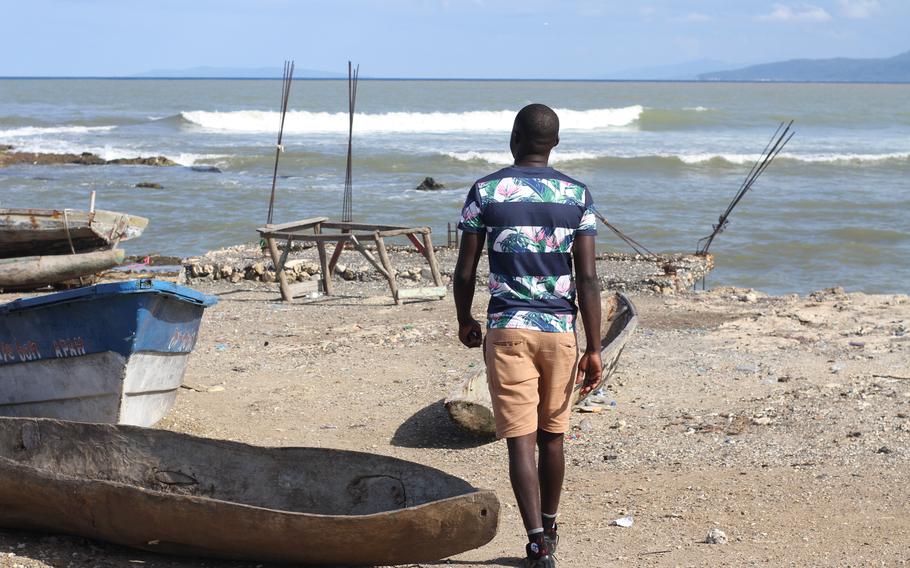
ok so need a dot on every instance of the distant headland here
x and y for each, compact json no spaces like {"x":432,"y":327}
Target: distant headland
{"x":841,"y":69}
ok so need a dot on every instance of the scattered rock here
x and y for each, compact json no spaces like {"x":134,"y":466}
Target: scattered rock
{"x":883,"y":450}
{"x":762,"y":421}
{"x":716,"y":536}
{"x":429,"y":184}
{"x":216,"y":388}
{"x":206,"y":169}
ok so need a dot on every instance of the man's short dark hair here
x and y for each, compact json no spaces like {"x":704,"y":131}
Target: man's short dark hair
{"x":538,"y":123}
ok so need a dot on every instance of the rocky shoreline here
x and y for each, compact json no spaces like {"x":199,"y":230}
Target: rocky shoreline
{"x":10,"y":158}
{"x":665,"y":274}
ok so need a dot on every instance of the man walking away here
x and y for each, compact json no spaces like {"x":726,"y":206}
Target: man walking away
{"x":538,"y":222}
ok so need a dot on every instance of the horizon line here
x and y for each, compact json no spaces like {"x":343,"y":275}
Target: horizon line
{"x":471,"y":79}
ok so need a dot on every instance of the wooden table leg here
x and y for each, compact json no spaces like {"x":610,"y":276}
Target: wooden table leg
{"x":387,"y":264}
{"x":431,"y":258}
{"x":279,"y":271}
{"x":324,"y":267}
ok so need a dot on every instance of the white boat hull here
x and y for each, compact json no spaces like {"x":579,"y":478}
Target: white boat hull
{"x":99,"y":387}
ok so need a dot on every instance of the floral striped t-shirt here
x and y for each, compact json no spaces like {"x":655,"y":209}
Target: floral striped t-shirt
{"x":531,"y":217}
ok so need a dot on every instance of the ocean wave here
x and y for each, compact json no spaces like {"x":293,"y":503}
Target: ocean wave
{"x":27,"y":131}
{"x":301,"y":122}
{"x":505,"y":158}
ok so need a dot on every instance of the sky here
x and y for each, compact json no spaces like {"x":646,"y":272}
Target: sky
{"x":438,"y":38}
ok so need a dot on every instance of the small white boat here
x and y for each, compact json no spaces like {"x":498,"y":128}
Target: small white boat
{"x":112,"y":353}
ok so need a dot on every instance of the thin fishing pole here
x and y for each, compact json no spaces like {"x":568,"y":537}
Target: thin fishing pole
{"x":287,"y":78}
{"x":347,"y":210}
{"x":774,"y":146}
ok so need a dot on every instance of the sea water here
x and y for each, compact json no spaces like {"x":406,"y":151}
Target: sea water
{"x":662,"y":160}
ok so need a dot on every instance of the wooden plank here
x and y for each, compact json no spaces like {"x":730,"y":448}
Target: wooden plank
{"x":318,"y":238}
{"x":400,"y":232}
{"x":360,"y":226}
{"x":387,"y":264}
{"x":303,"y":288}
{"x":431,"y":258}
{"x":292,"y":226}
{"x":424,"y":292}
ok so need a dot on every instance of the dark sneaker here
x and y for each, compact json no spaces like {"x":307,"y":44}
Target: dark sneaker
{"x":538,"y":557}
{"x":551,"y":539}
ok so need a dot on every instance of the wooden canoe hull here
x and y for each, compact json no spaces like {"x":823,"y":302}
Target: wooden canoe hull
{"x":469,"y":405}
{"x":159,"y":491}
{"x":38,"y":232}
{"x":35,"y":271}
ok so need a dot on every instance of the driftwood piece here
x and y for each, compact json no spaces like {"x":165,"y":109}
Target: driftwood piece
{"x":423,"y":292}
{"x":469,"y":404}
{"x":33,"y":271}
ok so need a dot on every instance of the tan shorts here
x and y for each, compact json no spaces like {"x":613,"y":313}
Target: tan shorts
{"x":531,"y":375}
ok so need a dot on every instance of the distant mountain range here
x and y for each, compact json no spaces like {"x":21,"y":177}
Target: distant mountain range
{"x":688,"y":71}
{"x":236,"y":73}
{"x":885,"y":70}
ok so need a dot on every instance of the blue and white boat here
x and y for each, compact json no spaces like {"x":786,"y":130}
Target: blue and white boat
{"x":113,"y":353}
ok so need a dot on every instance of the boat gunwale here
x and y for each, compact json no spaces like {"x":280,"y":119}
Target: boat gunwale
{"x":111,"y":290}
{"x":76,"y":215}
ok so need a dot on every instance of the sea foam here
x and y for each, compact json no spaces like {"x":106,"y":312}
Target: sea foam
{"x":302,"y":122}
{"x":26,"y":131}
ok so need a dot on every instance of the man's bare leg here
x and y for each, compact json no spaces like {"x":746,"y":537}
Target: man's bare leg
{"x":525,"y":482}
{"x":551,"y":472}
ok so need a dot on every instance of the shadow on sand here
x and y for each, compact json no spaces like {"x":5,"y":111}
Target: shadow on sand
{"x":431,"y":427}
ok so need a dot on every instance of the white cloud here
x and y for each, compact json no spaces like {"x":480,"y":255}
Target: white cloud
{"x":858,"y":9}
{"x":797,"y":13}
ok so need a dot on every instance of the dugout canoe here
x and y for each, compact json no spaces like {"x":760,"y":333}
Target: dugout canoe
{"x":111,"y":353}
{"x":469,"y":403}
{"x":31,"y":272}
{"x":40,"y":232}
{"x":178,"y":494}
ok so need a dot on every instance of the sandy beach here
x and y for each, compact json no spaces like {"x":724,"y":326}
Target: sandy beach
{"x":783,"y":421}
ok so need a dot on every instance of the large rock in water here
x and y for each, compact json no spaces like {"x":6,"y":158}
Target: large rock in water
{"x":150,"y":161}
{"x":429,"y":184}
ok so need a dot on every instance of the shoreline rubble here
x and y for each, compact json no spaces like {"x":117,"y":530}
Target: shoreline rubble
{"x":666,"y":275}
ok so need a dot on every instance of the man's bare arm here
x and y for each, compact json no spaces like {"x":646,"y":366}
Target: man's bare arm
{"x":463,"y":284}
{"x":587,"y":286}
